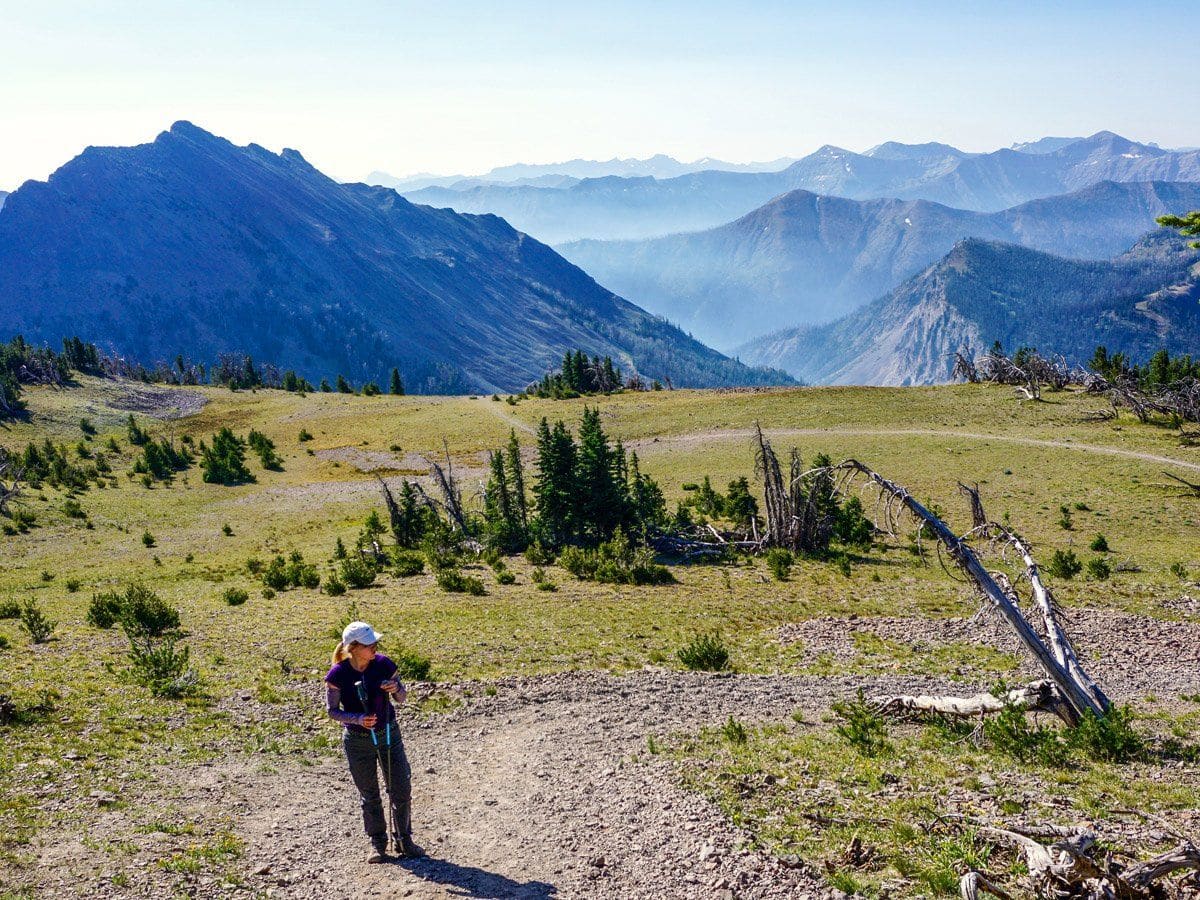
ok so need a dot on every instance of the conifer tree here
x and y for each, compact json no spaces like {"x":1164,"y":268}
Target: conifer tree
{"x":225,"y":461}
{"x":555,"y":490}
{"x":343,"y":385}
{"x":516,"y":477}
{"x":600,"y":510}
{"x":397,"y":386}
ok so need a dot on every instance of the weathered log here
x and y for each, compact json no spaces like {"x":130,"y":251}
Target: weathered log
{"x":971,"y":885}
{"x":1037,"y":696}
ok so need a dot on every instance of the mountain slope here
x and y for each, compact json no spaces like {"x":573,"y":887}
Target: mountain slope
{"x":804,"y":259}
{"x":192,"y":244}
{"x":636,"y":208}
{"x":1138,"y":303}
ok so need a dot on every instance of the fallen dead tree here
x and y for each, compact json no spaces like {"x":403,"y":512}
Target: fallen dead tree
{"x":1072,"y":866}
{"x":1071,"y":694}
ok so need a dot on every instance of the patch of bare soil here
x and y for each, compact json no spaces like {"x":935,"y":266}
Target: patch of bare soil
{"x":160,"y":402}
{"x":1131,"y":656}
{"x":376,"y":460}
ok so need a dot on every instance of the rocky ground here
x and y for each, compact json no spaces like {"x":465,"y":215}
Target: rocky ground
{"x":539,"y":787}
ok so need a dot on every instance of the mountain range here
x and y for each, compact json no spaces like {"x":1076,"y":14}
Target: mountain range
{"x":565,"y":173}
{"x":804,"y":258}
{"x":191,"y":244}
{"x":1142,"y":301}
{"x":615,"y":208}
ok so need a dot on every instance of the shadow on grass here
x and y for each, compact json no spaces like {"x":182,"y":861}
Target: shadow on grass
{"x":471,"y":881}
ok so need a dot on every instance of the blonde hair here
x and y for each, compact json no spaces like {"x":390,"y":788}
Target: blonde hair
{"x":342,"y":651}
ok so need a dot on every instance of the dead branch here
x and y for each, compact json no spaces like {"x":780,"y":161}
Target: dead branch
{"x":1191,"y":486}
{"x":1079,"y":699}
{"x":451,"y":494}
{"x":971,"y":885}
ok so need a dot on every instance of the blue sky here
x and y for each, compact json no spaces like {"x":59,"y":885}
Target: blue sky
{"x":462,"y":87}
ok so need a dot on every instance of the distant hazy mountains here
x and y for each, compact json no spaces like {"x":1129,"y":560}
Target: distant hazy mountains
{"x":1142,"y":301}
{"x":804,"y":259}
{"x":191,"y":244}
{"x":614,"y":207}
{"x":567,"y":173}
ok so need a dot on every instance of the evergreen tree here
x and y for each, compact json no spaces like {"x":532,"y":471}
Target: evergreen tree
{"x":1188,"y":225}
{"x":555,"y":490}
{"x":601,"y":509}
{"x":343,"y":386}
{"x":648,"y":505}
{"x":411,"y":519}
{"x":397,"y":386}
{"x":325,"y":388}
{"x":516,"y":477}
{"x":740,"y":505}
{"x":225,"y":461}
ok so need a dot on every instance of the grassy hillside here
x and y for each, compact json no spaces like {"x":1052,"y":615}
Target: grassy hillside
{"x":1029,"y":459}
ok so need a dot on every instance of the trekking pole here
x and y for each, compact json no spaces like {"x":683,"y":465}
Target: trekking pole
{"x":361,"y":688}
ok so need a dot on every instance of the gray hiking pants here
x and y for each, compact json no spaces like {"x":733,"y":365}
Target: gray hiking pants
{"x":366,"y":761}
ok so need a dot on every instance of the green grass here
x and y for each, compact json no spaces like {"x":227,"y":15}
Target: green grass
{"x":806,"y":791}
{"x":679,"y":436}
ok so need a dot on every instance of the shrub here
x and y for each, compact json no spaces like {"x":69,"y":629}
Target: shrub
{"x":1010,"y":733}
{"x":160,"y":664}
{"x":35,"y":622}
{"x":407,"y":564}
{"x":779,"y":561}
{"x":546,"y":585}
{"x":305,"y":435}
{"x":265,"y":448}
{"x":410,"y":665}
{"x":734,"y":732}
{"x":86,"y":426}
{"x":1099,"y":568}
{"x":537,"y":555}
{"x":268,"y":593}
{"x":334,"y":586}
{"x":227,"y":530}
{"x":281,"y":574}
{"x":1179,"y":570}
{"x":72,"y":585}
{"x":1065,"y":518}
{"x":235,"y":596}
{"x":862,"y":727}
{"x":104,"y":610}
{"x":10,"y":609}
{"x":1110,"y":738}
{"x":358,"y":573}
{"x":143,"y":611}
{"x":615,"y":562}
{"x":455,"y":582}
{"x":73,"y":510}
{"x":254,"y":566}
{"x":1099,"y":544}
{"x":851,"y":525}
{"x":506,"y":577}
{"x":148,"y":538}
{"x":705,"y":653}
{"x":1063,"y":564}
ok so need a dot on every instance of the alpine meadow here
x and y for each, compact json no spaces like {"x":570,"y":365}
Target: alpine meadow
{"x":718,"y":514}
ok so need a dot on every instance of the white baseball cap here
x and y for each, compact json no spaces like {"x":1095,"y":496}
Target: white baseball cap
{"x":359,"y":633}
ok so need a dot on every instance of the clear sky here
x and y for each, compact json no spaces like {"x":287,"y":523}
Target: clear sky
{"x":460,"y":87}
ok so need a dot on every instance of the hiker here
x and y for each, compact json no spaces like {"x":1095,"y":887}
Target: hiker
{"x":359,"y":691}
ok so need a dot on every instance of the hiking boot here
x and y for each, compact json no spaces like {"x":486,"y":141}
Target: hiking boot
{"x":378,"y":850}
{"x":409,"y":848}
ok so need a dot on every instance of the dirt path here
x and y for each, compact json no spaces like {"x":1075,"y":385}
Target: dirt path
{"x":701,"y":437}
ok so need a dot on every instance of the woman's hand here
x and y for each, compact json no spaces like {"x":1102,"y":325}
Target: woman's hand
{"x":368,"y":721}
{"x":395,"y":688}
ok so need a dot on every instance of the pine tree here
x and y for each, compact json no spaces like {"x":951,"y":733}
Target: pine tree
{"x":600,"y":505}
{"x":343,"y":385}
{"x":225,"y":461}
{"x":325,"y":388}
{"x":516,"y":478}
{"x":555,"y":490}
{"x":397,"y":386}
{"x":411,"y":518}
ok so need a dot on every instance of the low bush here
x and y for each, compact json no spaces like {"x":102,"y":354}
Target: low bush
{"x":734,"y":732}
{"x":235,"y":596}
{"x":161,"y":664}
{"x":406,"y":564}
{"x":10,"y":609}
{"x":281,"y":574}
{"x":615,"y":562}
{"x":506,"y":577}
{"x":862,"y":726}
{"x":455,"y":582}
{"x":410,"y":665}
{"x":104,"y":610}
{"x":334,"y":586}
{"x":704,"y":653}
{"x":1099,"y":544}
{"x":1099,"y":569}
{"x":35,"y":622}
{"x":358,"y":573}
{"x":538,"y":555}
{"x":780,"y":561}
{"x":148,"y":538}
{"x":1063,"y":564}
{"x":1179,"y":570}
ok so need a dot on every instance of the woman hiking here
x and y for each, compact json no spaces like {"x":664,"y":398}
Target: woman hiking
{"x":359,"y":691}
